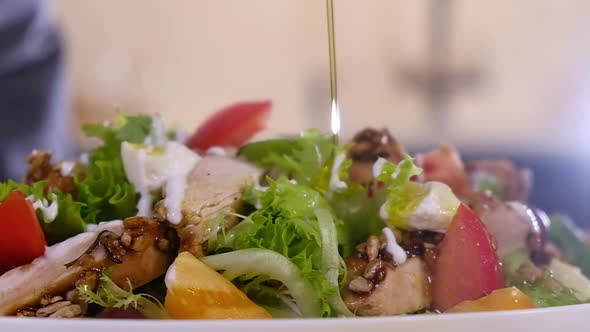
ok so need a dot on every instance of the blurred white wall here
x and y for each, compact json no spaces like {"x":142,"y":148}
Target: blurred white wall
{"x":186,"y":58}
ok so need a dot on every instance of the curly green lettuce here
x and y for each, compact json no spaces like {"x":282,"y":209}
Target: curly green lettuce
{"x":565,"y":234}
{"x":105,"y":192}
{"x":109,"y":295}
{"x":294,"y":221}
{"x":309,"y":160}
{"x":305,"y":159}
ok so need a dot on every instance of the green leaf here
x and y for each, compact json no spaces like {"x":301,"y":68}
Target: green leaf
{"x":135,"y":129}
{"x":68,"y":221}
{"x":358,"y":208}
{"x":564,"y":233}
{"x":105,"y":192}
{"x":538,"y":291}
{"x":403,"y":196}
{"x":36,"y":189}
{"x":286,"y":223}
{"x":258,"y":152}
{"x":305,"y":158}
{"x":109,"y":295}
{"x":262,"y":266}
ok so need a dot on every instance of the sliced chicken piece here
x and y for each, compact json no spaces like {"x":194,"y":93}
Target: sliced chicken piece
{"x":214,"y":186}
{"x":138,"y":249}
{"x":368,"y":145}
{"x":389,"y":290}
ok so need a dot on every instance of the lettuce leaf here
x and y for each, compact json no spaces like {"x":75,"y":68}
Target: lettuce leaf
{"x":36,"y":189}
{"x":542,"y":295}
{"x":286,"y":223}
{"x":358,"y":208}
{"x":270,"y":277}
{"x":68,"y":222}
{"x":565,"y":234}
{"x":105,"y":192}
{"x":309,"y":159}
{"x":306,"y":159}
{"x":403,"y":196}
{"x":109,"y":295}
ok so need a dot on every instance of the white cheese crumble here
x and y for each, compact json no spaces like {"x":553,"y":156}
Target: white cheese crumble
{"x":378,"y":166}
{"x":84,"y":158}
{"x":66,"y":167}
{"x":48,"y":210}
{"x":398,"y":253}
{"x":436,"y":210}
{"x":215,"y":151}
{"x":335,"y":182}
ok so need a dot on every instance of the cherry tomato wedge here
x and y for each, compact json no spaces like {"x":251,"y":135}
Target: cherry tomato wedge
{"x":510,"y":298}
{"x":232,"y":126}
{"x":467,"y":266}
{"x":21,"y":236}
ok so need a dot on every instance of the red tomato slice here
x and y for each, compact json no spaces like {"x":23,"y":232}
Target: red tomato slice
{"x":467,"y":266}
{"x":21,"y":236}
{"x":232,"y":126}
{"x":444,"y":165}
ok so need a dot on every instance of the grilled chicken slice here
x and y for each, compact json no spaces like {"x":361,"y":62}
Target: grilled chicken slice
{"x":138,"y":249}
{"x":214,"y":186}
{"x":391,"y":290}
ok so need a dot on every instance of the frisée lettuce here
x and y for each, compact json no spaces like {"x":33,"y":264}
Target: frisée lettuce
{"x":294,"y":221}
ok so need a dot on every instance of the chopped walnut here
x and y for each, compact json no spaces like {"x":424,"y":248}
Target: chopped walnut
{"x":360,"y":285}
{"x":370,"y":144}
{"x":69,"y":311}
{"x":375,"y":271}
{"x":373,"y":246}
{"x":50,"y":309}
{"x":40,"y":168}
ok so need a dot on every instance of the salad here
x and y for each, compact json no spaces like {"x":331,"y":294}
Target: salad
{"x":151,"y":224}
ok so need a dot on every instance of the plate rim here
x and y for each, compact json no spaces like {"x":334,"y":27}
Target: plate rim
{"x":294,"y":322}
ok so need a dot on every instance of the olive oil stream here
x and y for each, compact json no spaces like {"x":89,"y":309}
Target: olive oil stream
{"x":335,"y":108}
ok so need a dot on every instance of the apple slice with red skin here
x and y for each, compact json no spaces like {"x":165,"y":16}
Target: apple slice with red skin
{"x":467,"y":266}
{"x":232,"y":126}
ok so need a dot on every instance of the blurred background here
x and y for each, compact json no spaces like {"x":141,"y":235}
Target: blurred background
{"x":496,"y":78}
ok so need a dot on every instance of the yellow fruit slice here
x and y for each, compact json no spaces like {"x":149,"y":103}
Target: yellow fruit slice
{"x":510,"y":298}
{"x":195,"y":291}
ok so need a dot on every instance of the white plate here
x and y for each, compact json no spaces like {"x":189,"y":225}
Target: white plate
{"x":564,"y":319}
